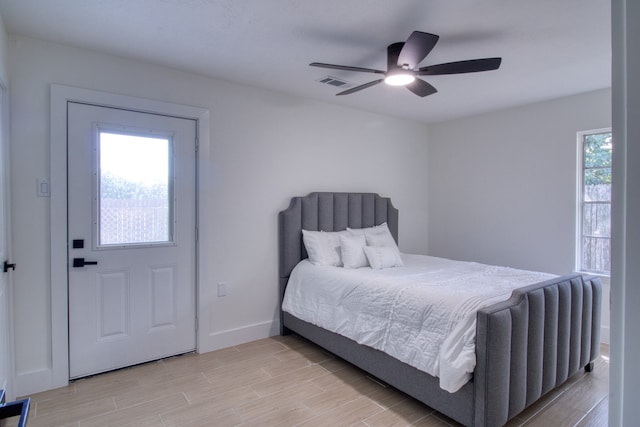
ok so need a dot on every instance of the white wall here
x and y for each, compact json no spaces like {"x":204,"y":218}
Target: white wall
{"x":265,"y":148}
{"x":625,"y":288}
{"x":502,"y":186}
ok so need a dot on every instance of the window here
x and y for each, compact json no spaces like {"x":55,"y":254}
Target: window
{"x":134,"y":187}
{"x":594,"y":212}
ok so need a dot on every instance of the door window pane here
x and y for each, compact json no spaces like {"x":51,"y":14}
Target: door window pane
{"x":134,"y":187}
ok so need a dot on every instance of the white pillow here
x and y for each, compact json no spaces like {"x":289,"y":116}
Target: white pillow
{"x":352,"y":250}
{"x":323,"y":247}
{"x":364,"y":230}
{"x":383,"y":257}
{"x":378,"y":235}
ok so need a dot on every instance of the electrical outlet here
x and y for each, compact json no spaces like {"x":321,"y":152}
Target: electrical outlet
{"x":222,"y":289}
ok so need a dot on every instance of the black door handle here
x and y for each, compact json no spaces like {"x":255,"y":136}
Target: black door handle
{"x":80,"y":262}
{"x":8,"y":266}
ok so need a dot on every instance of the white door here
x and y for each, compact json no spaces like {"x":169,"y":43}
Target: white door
{"x":131,"y":212}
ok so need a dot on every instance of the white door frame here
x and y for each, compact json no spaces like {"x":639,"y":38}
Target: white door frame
{"x":60,"y":96}
{"x":6,"y":300}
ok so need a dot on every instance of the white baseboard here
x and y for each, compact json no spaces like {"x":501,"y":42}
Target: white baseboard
{"x":32,"y":382}
{"x":231,"y":337}
{"x":29,"y":383}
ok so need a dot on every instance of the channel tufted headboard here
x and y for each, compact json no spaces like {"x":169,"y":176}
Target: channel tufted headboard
{"x":327,"y":212}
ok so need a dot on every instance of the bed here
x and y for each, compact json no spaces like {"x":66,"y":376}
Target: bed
{"x":525,"y":346}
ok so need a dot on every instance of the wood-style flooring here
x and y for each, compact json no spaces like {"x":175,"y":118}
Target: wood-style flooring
{"x":279,"y":381}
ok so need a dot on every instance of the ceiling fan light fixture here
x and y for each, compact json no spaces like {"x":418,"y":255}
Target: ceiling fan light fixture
{"x":399,"y":79}
{"x":403,"y":60}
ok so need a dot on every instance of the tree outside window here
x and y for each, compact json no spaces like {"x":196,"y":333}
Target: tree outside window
{"x":594,"y":237}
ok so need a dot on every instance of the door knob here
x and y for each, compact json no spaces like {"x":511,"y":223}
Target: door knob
{"x":80,"y":262}
{"x":8,"y":266}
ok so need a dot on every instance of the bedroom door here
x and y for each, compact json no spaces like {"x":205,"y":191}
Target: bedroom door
{"x":131,"y":249}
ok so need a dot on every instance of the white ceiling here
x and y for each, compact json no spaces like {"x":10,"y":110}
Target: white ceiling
{"x":549,"y":48}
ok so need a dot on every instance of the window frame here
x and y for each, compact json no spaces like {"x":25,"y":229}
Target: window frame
{"x":580,"y":191}
{"x":145,"y":133}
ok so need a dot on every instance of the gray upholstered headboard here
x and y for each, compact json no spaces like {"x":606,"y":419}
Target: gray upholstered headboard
{"x":327,"y":212}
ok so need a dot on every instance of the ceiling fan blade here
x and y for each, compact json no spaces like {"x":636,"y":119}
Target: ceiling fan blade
{"x":357,"y":88}
{"x":345,"y":68}
{"x":458,"y":67}
{"x":416,"y":48}
{"x":421,"y":88}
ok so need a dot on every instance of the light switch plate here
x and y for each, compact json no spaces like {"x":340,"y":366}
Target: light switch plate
{"x":42,"y":187}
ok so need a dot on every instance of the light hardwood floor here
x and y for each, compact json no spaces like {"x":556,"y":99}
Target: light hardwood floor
{"x":279,"y":381}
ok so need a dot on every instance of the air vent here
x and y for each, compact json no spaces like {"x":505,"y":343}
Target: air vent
{"x":330,"y":80}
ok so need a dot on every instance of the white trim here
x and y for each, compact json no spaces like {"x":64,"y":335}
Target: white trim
{"x":26,"y":383}
{"x":231,"y":337}
{"x":9,"y":381}
{"x":60,"y":95}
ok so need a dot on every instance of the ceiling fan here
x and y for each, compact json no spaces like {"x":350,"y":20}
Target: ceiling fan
{"x":404,"y":57}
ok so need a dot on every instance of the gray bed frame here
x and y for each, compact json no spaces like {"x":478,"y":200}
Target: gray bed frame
{"x":525,"y":347}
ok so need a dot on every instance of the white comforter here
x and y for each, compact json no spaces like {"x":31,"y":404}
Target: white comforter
{"x":423,"y":314}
